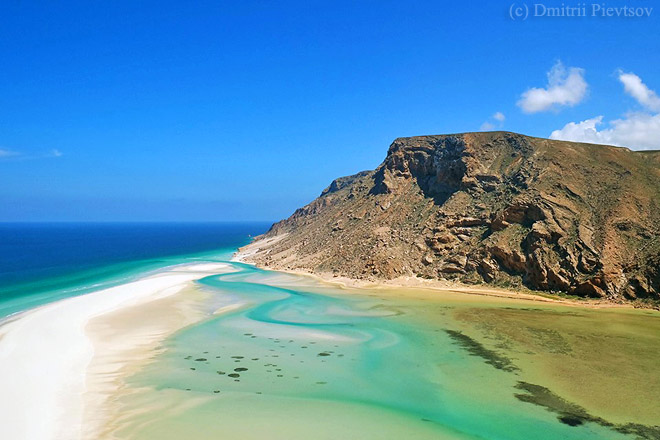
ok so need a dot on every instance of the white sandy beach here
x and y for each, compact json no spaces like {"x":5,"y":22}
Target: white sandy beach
{"x":46,"y":353}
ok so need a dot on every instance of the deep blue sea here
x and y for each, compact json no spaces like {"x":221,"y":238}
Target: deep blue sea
{"x":44,"y":262}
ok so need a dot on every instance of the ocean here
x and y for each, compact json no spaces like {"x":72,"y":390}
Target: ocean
{"x":45,"y":262}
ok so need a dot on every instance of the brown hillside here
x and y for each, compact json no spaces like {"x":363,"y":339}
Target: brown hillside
{"x":496,"y":207}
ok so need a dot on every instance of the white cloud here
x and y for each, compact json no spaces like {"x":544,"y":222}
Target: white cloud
{"x":7,"y":153}
{"x":636,"y":130}
{"x":487,"y":126}
{"x":633,"y":85}
{"x":16,"y":155}
{"x":584,"y":131}
{"x":566,"y":87}
{"x":499,"y":116}
{"x":494,"y":122}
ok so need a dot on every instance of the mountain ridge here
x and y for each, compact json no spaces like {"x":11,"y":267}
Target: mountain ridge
{"x":494,"y":207}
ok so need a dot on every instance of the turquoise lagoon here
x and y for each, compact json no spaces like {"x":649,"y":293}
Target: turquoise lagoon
{"x":287,"y":357}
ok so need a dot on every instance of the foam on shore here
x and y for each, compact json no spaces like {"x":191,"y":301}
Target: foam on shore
{"x":45,"y":354}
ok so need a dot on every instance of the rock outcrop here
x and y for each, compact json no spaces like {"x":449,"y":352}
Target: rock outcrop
{"x":497,"y":207}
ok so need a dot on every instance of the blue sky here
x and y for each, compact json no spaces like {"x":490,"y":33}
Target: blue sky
{"x":246,"y":110}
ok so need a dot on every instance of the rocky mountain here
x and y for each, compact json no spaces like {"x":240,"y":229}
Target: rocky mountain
{"x":496,"y":207}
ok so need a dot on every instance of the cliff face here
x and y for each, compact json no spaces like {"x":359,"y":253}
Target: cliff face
{"x":494,"y":207}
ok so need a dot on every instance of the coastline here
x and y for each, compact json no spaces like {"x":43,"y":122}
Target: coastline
{"x":69,"y":358}
{"x":50,"y":353}
{"x":415,"y":283}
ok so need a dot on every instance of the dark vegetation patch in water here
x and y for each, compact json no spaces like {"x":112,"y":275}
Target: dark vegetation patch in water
{"x":551,"y":340}
{"x":526,"y":309}
{"x":572,"y":414}
{"x":544,"y":311}
{"x":475,"y":348}
{"x":570,"y":420}
{"x":221,"y":368}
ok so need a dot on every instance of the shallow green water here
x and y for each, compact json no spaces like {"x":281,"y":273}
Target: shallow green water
{"x":295,"y":359}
